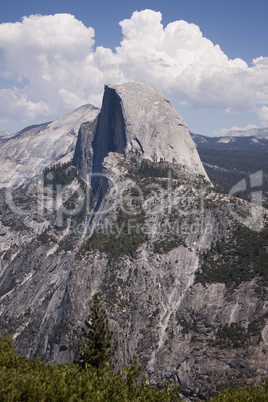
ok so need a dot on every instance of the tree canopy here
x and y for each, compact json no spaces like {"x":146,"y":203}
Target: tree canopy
{"x":96,"y":345}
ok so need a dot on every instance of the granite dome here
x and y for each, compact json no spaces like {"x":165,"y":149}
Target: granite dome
{"x":153,"y":126}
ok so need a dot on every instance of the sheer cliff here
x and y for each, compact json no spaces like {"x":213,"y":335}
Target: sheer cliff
{"x":181,"y":269}
{"x":137,"y":116}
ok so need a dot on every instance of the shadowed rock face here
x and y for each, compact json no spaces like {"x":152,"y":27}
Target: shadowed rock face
{"x":83,"y":155}
{"x":110,"y":134}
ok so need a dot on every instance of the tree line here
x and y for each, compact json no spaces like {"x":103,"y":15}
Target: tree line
{"x":92,"y":376}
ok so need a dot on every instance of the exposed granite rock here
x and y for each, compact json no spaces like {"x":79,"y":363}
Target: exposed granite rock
{"x":158,"y":312}
{"x":150,"y":231}
{"x":31,"y":150}
{"x":83,"y":155}
{"x":137,"y":116}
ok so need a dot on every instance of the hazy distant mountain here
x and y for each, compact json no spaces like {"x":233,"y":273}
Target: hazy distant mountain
{"x":253,"y":142}
{"x":228,"y":160}
{"x":5,"y":134}
{"x":258,"y":132}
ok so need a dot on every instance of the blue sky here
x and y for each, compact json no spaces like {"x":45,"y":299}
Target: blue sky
{"x":213,"y":67}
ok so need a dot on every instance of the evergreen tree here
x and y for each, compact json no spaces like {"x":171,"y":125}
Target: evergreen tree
{"x":96,"y":346}
{"x":7,"y":344}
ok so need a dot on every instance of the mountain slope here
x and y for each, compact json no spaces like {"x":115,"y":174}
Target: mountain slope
{"x":31,"y":150}
{"x":257,"y":132}
{"x":146,"y":237}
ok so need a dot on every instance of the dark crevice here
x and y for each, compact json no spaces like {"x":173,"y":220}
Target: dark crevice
{"x":110,"y":136}
{"x":138,"y":141}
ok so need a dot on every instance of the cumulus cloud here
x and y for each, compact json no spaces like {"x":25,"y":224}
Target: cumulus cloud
{"x":226,"y":131}
{"x":189,"y":66}
{"x":263,"y":115}
{"x":51,"y":54}
{"x":14,"y":103}
{"x":54,"y":66}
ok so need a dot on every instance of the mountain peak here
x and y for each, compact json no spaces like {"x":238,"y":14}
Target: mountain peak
{"x":138,"y":117}
{"x":28,"y":152}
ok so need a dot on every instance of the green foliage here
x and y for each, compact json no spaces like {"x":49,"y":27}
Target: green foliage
{"x":7,"y":344}
{"x":243,"y":394}
{"x":44,"y":238}
{"x":164,"y":246}
{"x":115,"y":247}
{"x":24,"y":380}
{"x":122,"y":239}
{"x":234,"y":166}
{"x":233,"y":335}
{"x":185,"y":326}
{"x":240,"y":259}
{"x":59,"y":174}
{"x":96,"y":347}
{"x":68,"y":242}
{"x":146,"y":168}
{"x":236,"y":160}
{"x":236,"y":336}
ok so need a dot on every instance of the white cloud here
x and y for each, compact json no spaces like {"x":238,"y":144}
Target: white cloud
{"x":48,"y":53}
{"x":54,"y":66}
{"x":263,"y":115}
{"x":14,"y":103}
{"x":187,"y":65}
{"x":226,"y":131}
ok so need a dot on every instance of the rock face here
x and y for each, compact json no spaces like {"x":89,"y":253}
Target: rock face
{"x":31,"y":150}
{"x":83,"y":155}
{"x":151,"y":245}
{"x":137,"y":116}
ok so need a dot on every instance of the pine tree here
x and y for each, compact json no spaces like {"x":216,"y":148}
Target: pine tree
{"x":96,"y":346}
{"x":7,"y":344}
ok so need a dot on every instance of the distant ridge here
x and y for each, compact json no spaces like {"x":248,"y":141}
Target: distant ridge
{"x":258,"y":132}
{"x":256,"y":143}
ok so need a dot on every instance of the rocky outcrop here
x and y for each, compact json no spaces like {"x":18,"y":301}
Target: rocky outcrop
{"x":83,"y":155}
{"x":110,"y":133}
{"x":149,"y":244}
{"x":138,"y":117}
